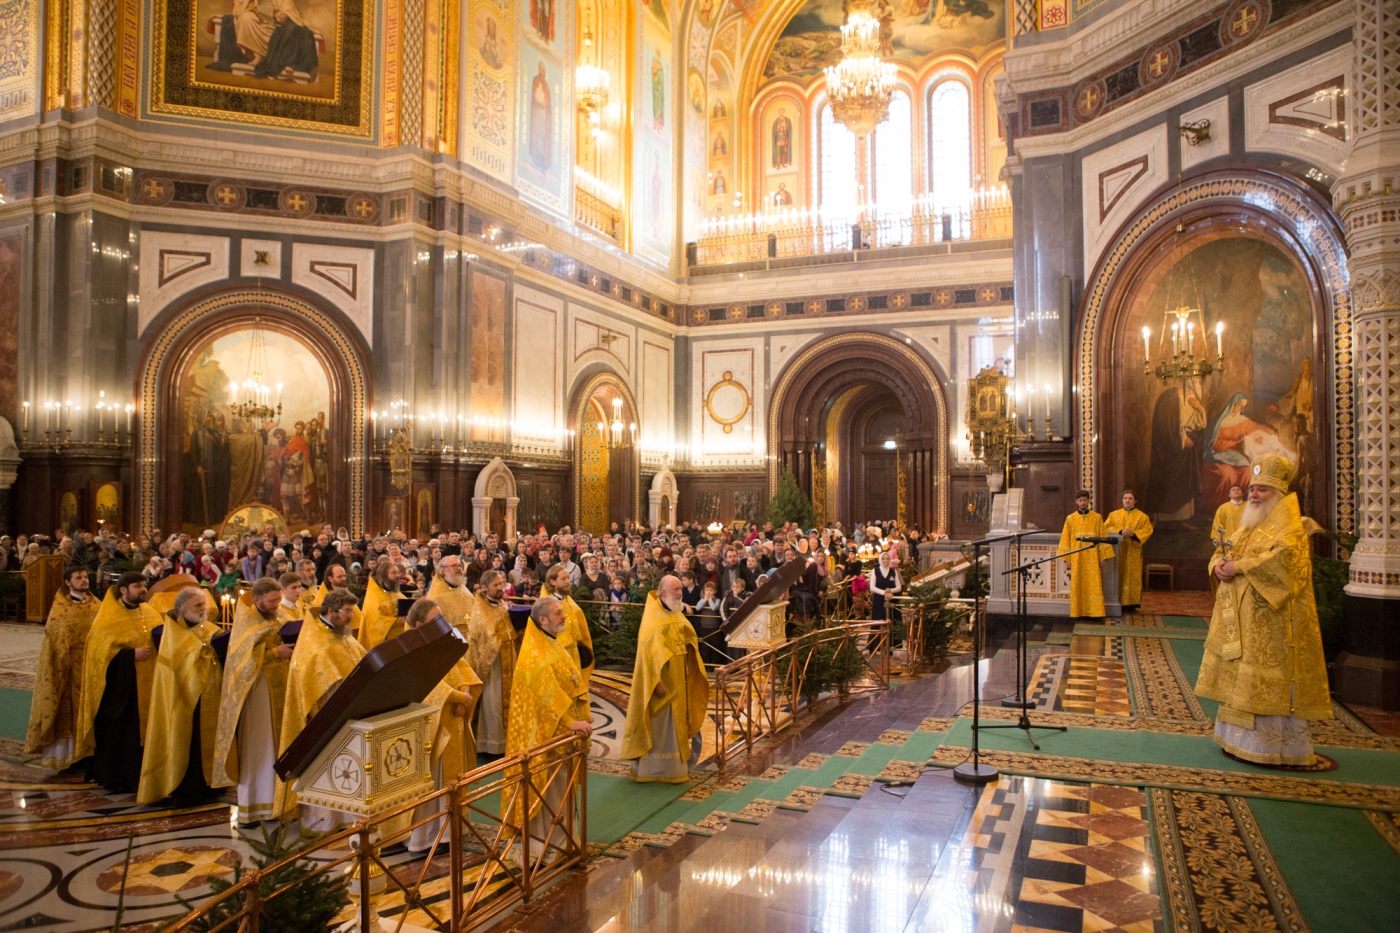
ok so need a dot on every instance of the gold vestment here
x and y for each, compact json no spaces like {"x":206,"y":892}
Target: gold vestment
{"x":380,"y":616}
{"x":453,"y":741}
{"x":1129,"y":552}
{"x":1086,"y":581}
{"x":1263,"y":655}
{"x":549,"y":695}
{"x":187,"y":674}
{"x":575,"y":634}
{"x":252,"y":652}
{"x":58,"y":681}
{"x":114,"y":628}
{"x":668,"y":653}
{"x":455,"y":602}
{"x":490,"y":636}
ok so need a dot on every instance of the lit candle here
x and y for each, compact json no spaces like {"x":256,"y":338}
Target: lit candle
{"x":129,"y":410}
{"x":1219,"y":329}
{"x":26,"y":417}
{"x":1174,"y":347}
{"x":1047,"y":408}
{"x":1190,"y":335}
{"x":1147,"y":343}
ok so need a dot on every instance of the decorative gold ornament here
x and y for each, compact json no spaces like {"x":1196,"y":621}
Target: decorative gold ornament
{"x":731,"y":395}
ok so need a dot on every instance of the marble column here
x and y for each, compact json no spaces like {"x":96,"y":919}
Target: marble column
{"x":1367,"y":196}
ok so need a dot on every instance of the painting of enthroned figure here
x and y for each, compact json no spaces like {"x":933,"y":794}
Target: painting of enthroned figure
{"x":276,"y":46}
{"x":1203,"y":432}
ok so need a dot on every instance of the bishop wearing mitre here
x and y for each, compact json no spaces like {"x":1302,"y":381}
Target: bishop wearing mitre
{"x":1133,"y":527}
{"x":119,"y":665}
{"x":549,"y":698}
{"x":575,"y":638}
{"x":454,"y":745}
{"x":325,"y":654}
{"x":58,"y":681}
{"x":1086,"y":580}
{"x":1263,"y":654}
{"x":669,"y":691}
{"x":178,"y":760}
{"x":380,"y":620}
{"x":250,"y":713}
{"x":491,"y":653}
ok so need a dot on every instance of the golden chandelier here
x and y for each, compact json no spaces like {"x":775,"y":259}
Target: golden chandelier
{"x":859,"y":86}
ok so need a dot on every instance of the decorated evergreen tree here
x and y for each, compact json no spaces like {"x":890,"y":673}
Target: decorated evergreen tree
{"x":790,"y":504}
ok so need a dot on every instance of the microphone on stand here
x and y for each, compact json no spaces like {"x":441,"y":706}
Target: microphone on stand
{"x":1112,"y":539}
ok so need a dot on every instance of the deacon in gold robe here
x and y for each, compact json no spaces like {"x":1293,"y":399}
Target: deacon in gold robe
{"x":454,"y":746}
{"x":380,"y":614}
{"x":669,"y":691}
{"x":290,"y":607}
{"x":311,"y":591}
{"x":1134,"y":527}
{"x":1263,"y":655}
{"x":1223,"y":526}
{"x":250,"y":714}
{"x":324,"y":655}
{"x":548,"y":699}
{"x":491,"y":653}
{"x":1085,"y":576}
{"x":178,"y":760}
{"x":575,"y":638}
{"x":118,"y":667}
{"x":58,"y":682}
{"x":449,"y":590}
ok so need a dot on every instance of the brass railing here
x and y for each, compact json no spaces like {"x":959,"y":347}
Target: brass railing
{"x":592,"y":211}
{"x":484,"y":877}
{"x":915,"y":616}
{"x":765,"y":692}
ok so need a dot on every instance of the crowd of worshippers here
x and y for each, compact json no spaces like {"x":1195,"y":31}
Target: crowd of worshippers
{"x":144,"y":692}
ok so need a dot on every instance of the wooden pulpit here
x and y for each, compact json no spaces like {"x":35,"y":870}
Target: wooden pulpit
{"x":760,"y":622}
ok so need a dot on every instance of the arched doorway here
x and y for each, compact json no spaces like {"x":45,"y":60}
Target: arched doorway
{"x":862,"y":422}
{"x":495,"y":501}
{"x":607,"y":468}
{"x":662,"y":499}
{"x":307,"y":462}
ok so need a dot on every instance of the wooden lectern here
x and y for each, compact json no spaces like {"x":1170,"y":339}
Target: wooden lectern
{"x":761,"y":621}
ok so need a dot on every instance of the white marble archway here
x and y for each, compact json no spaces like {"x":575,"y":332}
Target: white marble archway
{"x":661,"y":499}
{"x":495,"y":481}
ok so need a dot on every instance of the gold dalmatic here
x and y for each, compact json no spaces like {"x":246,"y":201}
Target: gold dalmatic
{"x":58,"y":682}
{"x":1086,"y":582}
{"x":576,"y":635}
{"x":1263,"y":655}
{"x":490,"y":636}
{"x":380,"y":616}
{"x":668,"y":652}
{"x":453,"y":743}
{"x":1130,"y":551}
{"x":252,"y":653}
{"x":356,"y":616}
{"x":320,"y":661}
{"x":188,"y":673}
{"x":548,"y":695}
{"x":455,"y":602}
{"x":114,"y":629}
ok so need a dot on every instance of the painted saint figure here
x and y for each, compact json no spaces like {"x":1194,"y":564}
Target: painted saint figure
{"x":781,"y":135}
{"x":1174,"y":479}
{"x":658,"y":92}
{"x":541,"y":135}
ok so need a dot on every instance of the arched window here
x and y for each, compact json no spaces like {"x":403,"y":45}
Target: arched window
{"x":950,"y":147}
{"x":893,"y":158}
{"x":839,"y":183}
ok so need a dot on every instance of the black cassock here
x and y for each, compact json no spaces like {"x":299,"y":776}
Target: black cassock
{"x":116,"y":761}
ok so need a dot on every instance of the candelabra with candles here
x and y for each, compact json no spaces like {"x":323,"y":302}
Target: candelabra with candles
{"x":618,"y":435}
{"x":1184,"y":363}
{"x":110,"y":418}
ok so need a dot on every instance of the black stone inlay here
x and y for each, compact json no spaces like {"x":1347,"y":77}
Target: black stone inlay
{"x":1197,"y":45}
{"x":1045,"y":112}
{"x":190,"y":192}
{"x":328,"y":205}
{"x":263,"y":199}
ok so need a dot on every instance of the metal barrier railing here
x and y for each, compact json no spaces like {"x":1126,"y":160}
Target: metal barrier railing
{"x":553,"y":776}
{"x":763,"y":693}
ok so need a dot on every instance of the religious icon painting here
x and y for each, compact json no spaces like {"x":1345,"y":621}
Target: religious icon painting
{"x":308,"y":63}
{"x":544,"y":132}
{"x":394,"y":514}
{"x":424,"y":509}
{"x":67,"y":510}
{"x":107,"y":500}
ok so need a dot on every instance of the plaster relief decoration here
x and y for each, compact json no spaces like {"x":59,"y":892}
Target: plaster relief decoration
{"x":300,"y":65}
{"x":1303,"y":111}
{"x":268,"y":251}
{"x":342,"y":275}
{"x":19,"y":58}
{"x":173,"y":264}
{"x":934,"y":341}
{"x":783,"y":347}
{"x":1116,"y":181}
{"x":597,"y":339}
{"x":728,"y":402}
{"x":537,"y":386}
{"x":656,"y":397}
{"x":1217,"y":114}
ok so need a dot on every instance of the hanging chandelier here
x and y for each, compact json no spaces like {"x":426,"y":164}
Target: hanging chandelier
{"x":251,"y":399}
{"x":859,"y":86}
{"x":1184,"y":363}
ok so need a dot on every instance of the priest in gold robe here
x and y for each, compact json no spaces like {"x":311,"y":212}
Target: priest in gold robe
{"x":250,"y":713}
{"x":178,"y":760}
{"x":491,"y":653}
{"x":1263,"y":654}
{"x":119,"y":665}
{"x":311,"y":591}
{"x":380,"y":614}
{"x":325,"y":654}
{"x":1224,"y":525}
{"x":454,"y":745}
{"x":449,"y":590}
{"x":337,"y":579}
{"x":549,"y":698}
{"x":1085,"y":575}
{"x":1133,"y":527}
{"x":575,"y":638}
{"x":58,"y":681}
{"x":669,"y":691}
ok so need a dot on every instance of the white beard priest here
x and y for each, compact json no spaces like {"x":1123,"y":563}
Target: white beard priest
{"x":1263,"y":657}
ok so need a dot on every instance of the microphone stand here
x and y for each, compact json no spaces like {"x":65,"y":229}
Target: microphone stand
{"x":1023,"y":573}
{"x":973,"y":771}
